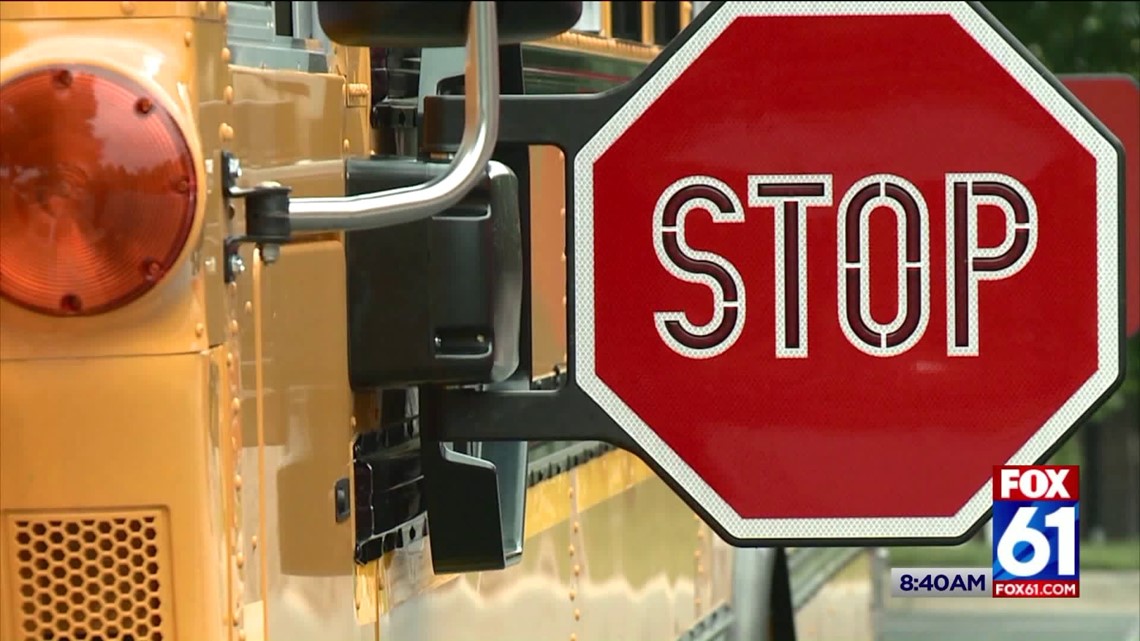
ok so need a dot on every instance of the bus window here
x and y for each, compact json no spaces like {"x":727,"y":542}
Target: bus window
{"x":666,"y":21}
{"x":625,"y":19}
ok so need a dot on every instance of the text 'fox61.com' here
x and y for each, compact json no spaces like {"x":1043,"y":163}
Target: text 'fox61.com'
{"x":1035,"y":535}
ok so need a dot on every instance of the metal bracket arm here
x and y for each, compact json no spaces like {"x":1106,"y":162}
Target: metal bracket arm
{"x":468,"y":167}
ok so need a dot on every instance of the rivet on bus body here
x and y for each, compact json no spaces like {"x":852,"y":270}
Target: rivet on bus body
{"x":199,"y":329}
{"x":253,"y":541}
{"x":577,"y":614}
{"x":577,"y":569}
{"x":571,"y":550}
{"x":229,"y":360}
{"x":202,"y":8}
{"x":127,"y":7}
{"x":700,"y":568}
{"x":573,"y":594}
{"x":248,"y":307}
{"x":697,"y":554}
{"x":347,"y":145}
{"x":573,"y":637}
{"x":226,"y":55}
{"x":240,"y":560}
{"x":234,"y":326}
{"x":564,"y":301}
{"x":225,"y":132}
{"x":563,"y":256}
{"x":237,"y":481}
{"x":188,"y":38}
{"x":352,"y":422}
{"x":236,"y":404}
{"x":562,"y":212}
{"x":697,"y":602}
{"x":577,"y":526}
{"x":223,"y":10}
{"x":228,"y":94}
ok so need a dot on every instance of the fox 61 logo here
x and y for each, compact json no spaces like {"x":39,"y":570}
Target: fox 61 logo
{"x":1035,"y":538}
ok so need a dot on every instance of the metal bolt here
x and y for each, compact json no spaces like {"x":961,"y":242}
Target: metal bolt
{"x":237,"y":265}
{"x":270,"y":253}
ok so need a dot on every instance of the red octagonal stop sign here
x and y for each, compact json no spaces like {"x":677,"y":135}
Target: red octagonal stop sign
{"x":835,"y":261}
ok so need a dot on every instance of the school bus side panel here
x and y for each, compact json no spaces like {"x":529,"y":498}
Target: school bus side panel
{"x":114,"y":475}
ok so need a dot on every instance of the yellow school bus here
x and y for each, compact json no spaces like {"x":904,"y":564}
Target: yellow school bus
{"x":206,"y":433}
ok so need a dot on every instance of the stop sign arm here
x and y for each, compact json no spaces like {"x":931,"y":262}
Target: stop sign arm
{"x":584,"y":127}
{"x":563,"y":414}
{"x":565,"y":121}
{"x":567,"y":413}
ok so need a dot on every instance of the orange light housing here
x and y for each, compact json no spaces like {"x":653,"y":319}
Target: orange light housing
{"x":97,"y":190}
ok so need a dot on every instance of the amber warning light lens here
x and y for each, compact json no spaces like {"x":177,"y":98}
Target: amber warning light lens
{"x":97,"y":190}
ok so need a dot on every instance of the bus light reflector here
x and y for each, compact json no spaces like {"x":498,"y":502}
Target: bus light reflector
{"x":97,"y":190}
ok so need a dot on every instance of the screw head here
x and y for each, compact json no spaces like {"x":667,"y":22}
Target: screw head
{"x":270,"y":253}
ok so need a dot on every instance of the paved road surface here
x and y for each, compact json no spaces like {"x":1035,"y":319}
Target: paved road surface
{"x":918,"y":625}
{"x":1108,"y":610}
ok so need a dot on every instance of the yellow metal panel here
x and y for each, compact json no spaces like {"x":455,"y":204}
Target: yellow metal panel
{"x":603,"y":560}
{"x":75,"y":10}
{"x":303,"y":385}
{"x":67,"y":458}
{"x":547,"y":259}
{"x":601,"y":46}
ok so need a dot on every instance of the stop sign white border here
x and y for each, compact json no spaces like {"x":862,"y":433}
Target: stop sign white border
{"x":1108,"y":296}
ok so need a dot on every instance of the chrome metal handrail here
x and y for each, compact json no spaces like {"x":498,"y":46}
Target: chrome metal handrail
{"x":467,"y":168}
